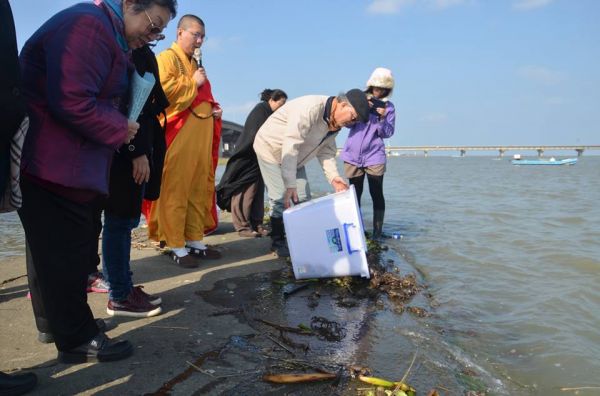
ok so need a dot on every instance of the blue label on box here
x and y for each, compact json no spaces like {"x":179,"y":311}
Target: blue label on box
{"x":334,"y":241}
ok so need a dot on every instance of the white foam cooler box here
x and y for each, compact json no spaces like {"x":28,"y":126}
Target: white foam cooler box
{"x":326,"y":237}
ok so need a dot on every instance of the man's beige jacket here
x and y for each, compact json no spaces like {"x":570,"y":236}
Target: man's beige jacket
{"x":295,"y":134}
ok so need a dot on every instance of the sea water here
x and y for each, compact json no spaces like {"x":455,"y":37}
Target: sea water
{"x":511,"y":257}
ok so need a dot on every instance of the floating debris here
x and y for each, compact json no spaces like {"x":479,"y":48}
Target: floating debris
{"x":327,"y":329}
{"x":297,"y":330}
{"x":296,"y":378}
{"x":386,"y":384}
{"x":227,"y":312}
{"x":292,"y":288}
{"x":347,"y":302}
{"x":313,"y":299}
{"x":420,"y":312}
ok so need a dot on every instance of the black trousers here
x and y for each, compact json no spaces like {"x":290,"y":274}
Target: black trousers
{"x":60,"y":234}
{"x":375,"y":189}
{"x":41,"y":320}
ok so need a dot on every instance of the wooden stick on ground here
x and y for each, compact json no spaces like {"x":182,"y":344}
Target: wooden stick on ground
{"x":280,"y":344}
{"x":295,"y":378}
{"x":286,"y":328}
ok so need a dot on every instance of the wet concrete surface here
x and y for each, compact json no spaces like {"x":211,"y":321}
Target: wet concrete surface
{"x":218,"y":333}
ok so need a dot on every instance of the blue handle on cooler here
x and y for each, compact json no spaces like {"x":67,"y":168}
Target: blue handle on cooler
{"x":346,"y":226}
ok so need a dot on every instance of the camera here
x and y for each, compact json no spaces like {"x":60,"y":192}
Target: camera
{"x":376,"y":104}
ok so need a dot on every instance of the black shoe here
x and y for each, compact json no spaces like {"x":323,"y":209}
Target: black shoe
{"x":48,"y":338}
{"x":98,"y":349}
{"x":187,"y":261}
{"x":280,"y":248}
{"x":16,"y":384}
{"x":45,"y":338}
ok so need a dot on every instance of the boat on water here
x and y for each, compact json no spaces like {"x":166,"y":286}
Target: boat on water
{"x":551,"y":161}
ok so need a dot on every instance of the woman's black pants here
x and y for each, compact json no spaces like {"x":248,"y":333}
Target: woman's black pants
{"x":61,"y":234}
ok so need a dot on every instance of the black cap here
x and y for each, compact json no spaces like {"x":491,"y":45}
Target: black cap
{"x":358,"y":100}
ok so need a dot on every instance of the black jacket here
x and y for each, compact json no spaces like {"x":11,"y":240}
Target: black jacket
{"x":125,"y":196}
{"x":12,"y":103}
{"x":242,"y":168}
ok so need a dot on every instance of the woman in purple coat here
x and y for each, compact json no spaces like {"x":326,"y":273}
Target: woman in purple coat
{"x":364,"y":151}
{"x":76,"y":70}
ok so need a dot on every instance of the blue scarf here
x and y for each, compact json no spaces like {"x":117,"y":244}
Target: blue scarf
{"x":115,"y":11}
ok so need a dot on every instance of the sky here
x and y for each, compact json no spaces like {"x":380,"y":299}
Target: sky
{"x":467,"y":72}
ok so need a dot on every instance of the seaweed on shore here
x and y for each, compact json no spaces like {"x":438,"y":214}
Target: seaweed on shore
{"x":292,"y":348}
{"x":385,"y":280}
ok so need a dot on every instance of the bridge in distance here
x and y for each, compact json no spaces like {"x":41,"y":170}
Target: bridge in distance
{"x":396,"y":150}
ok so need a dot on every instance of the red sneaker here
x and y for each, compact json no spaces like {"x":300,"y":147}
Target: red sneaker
{"x":154,"y":300}
{"x":96,"y":283}
{"x":135,"y":306}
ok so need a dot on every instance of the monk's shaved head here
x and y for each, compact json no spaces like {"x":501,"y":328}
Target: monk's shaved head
{"x":187,"y":20}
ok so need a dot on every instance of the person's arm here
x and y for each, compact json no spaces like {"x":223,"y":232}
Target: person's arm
{"x":386,"y":125}
{"x":138,"y":150}
{"x":217,"y":111}
{"x":75,"y":79}
{"x":145,"y":63}
{"x":181,"y":90}
{"x":326,"y":157}
{"x":295,"y":132}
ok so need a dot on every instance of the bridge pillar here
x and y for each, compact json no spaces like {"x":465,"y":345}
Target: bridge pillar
{"x":463,"y":152}
{"x":579,"y":152}
{"x":540,"y":152}
{"x":426,"y":153}
{"x":501,"y":153}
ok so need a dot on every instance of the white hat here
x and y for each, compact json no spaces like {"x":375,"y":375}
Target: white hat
{"x":381,"y":78}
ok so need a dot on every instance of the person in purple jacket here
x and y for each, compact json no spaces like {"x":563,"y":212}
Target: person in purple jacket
{"x":76,"y":70}
{"x":364,"y":150}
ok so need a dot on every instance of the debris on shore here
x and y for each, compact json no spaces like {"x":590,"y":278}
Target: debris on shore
{"x":282,"y":343}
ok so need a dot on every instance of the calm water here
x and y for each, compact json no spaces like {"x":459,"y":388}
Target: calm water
{"x":511,"y":256}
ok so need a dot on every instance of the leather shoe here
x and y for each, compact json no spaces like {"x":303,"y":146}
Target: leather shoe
{"x":208,"y":253}
{"x":186,"y":261}
{"x":48,"y":338}
{"x":16,"y":384}
{"x":98,"y":349}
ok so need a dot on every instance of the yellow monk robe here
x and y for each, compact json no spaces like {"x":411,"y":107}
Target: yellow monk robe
{"x":183,"y":210}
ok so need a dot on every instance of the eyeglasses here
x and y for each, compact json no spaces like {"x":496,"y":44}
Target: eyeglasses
{"x":152,"y":27}
{"x":197,"y":35}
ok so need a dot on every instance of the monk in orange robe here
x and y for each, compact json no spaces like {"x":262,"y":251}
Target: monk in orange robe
{"x":185,"y":209}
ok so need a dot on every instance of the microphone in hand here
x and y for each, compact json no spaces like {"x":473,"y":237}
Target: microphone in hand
{"x":198,"y":57}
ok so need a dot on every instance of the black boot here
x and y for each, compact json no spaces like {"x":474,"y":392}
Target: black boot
{"x":48,"y":338}
{"x":98,"y":349}
{"x":16,"y":384}
{"x":279,"y":244}
{"x":378,"y":224}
